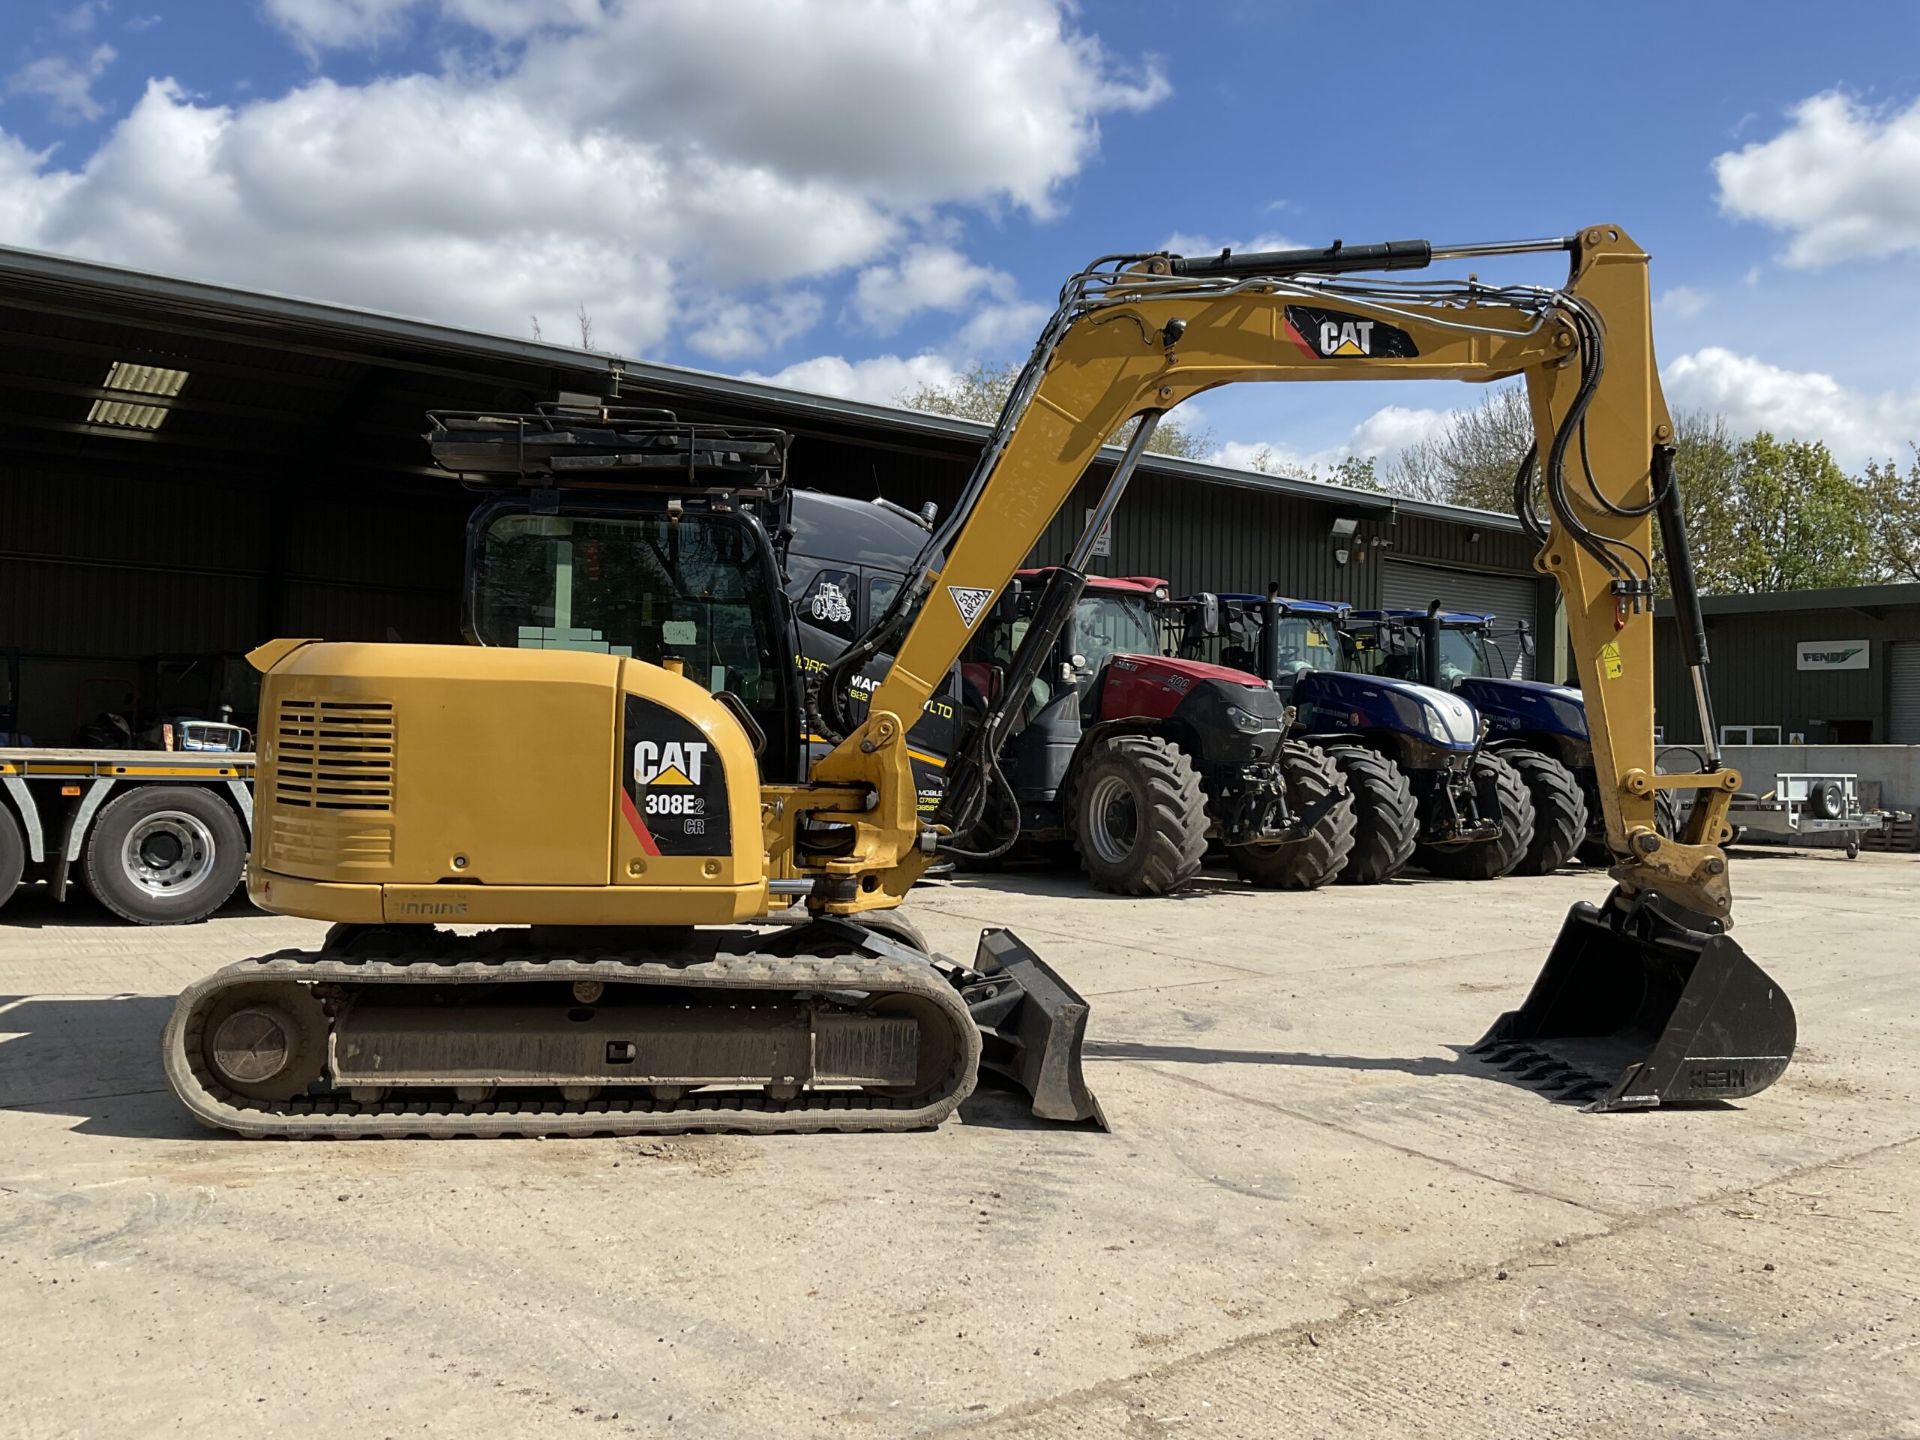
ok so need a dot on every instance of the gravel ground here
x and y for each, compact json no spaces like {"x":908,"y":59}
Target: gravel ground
{"x":1314,"y":1215}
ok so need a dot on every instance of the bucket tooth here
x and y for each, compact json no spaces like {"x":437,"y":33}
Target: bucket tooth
{"x":1652,"y":1005}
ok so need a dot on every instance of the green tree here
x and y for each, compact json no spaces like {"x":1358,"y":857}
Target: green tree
{"x":1472,"y":458}
{"x":979,"y":392}
{"x":1893,"y":498}
{"x":1707,"y":469}
{"x":1798,"y":521}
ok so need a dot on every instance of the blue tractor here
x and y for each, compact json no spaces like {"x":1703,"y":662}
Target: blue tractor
{"x":1425,"y":790}
{"x":1538,"y":728}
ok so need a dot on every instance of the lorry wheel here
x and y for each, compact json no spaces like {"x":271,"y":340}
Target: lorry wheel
{"x":1318,"y":856}
{"x":165,"y":855}
{"x":1496,"y":857}
{"x":1386,"y":821}
{"x":1139,"y":816}
{"x":1559,"y":811}
{"x":13,"y":855}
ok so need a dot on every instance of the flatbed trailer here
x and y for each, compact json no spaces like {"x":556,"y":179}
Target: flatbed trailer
{"x":160,"y":837}
{"x":1807,"y":804}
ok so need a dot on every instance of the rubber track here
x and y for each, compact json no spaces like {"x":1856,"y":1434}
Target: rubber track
{"x":1386,"y":816}
{"x":1559,"y":810}
{"x":1320,"y":855}
{"x":397,"y":1116}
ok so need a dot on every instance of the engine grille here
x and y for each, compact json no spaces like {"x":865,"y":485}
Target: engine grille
{"x":334,"y":755}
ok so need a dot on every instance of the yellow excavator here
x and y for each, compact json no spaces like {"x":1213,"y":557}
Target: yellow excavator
{"x":621,"y":823}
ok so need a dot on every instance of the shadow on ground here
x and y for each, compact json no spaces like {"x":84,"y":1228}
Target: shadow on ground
{"x":33,"y":907}
{"x":1463,"y":1063}
{"x":96,"y":1057}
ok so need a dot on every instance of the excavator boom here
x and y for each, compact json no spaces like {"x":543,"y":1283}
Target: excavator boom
{"x":635,"y":851}
{"x":1136,"y":335}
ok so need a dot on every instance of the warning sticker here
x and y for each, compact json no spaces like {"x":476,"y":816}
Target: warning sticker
{"x":969,"y":601}
{"x":1610,"y":664}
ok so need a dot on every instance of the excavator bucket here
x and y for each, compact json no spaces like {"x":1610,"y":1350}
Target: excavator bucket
{"x":1636,"y":1009}
{"x":1032,"y":1025}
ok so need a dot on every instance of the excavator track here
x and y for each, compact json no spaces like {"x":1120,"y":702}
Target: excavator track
{"x":310,"y":1013}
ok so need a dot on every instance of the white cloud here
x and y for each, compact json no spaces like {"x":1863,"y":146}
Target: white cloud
{"x":648,"y":161}
{"x":516,"y":19}
{"x":1843,"y":180}
{"x":81,"y":18}
{"x":1184,"y":242}
{"x":1001,"y":329}
{"x":1380,"y":437}
{"x":735,"y":329}
{"x":1803,"y":405}
{"x":65,"y":83}
{"x":317,"y":25}
{"x":904,"y":102}
{"x":925,"y":277}
{"x":880,"y":380}
{"x":1683,"y":302}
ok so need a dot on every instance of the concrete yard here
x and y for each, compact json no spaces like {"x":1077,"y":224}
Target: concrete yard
{"x":1313,"y":1217}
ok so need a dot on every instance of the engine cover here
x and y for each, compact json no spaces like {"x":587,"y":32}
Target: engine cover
{"x":452,"y":782}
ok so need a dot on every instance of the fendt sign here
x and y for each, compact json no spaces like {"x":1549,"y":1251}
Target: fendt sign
{"x":1831,"y":655}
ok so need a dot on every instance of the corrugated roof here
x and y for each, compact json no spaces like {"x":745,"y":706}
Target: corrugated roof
{"x":339,"y":328}
{"x":1849,"y":597}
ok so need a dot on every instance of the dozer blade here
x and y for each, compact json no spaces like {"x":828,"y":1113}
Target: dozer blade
{"x":1636,"y":1009}
{"x":1032,"y":1025}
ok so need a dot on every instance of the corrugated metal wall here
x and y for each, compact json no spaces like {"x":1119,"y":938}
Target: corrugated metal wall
{"x":111,"y":561}
{"x":1197,"y":536}
{"x":1755,"y":680}
{"x":117,"y":549}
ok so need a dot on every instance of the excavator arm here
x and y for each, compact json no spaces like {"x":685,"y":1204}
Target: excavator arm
{"x":1136,"y":335}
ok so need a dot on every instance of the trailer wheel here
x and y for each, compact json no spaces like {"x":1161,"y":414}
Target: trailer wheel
{"x":1386,"y":818}
{"x":1493,"y":858}
{"x":1139,"y":816}
{"x":1559,"y":811}
{"x":165,"y":855}
{"x":1318,"y":856}
{"x":13,"y":855}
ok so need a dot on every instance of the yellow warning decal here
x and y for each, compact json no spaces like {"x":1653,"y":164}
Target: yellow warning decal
{"x":1610,"y":663}
{"x":672,"y":775}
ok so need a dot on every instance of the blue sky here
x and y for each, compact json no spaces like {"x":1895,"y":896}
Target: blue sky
{"x":860,"y":195}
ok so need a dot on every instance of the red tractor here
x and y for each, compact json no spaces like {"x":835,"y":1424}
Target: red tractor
{"x":1144,"y":761}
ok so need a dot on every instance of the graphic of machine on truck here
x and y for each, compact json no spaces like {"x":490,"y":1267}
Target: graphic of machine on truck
{"x":149,"y":806}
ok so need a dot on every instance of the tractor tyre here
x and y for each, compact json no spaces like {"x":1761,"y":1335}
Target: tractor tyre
{"x":1386,"y":820}
{"x":1317,"y":857}
{"x":1493,"y":858}
{"x":1559,"y":811}
{"x":1138,"y":816}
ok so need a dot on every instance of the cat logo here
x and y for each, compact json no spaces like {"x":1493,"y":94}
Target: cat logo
{"x":1346,"y":337}
{"x":676,"y":763}
{"x":1341,"y":335}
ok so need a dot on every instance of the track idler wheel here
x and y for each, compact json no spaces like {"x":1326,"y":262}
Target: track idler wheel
{"x":266,"y":1042}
